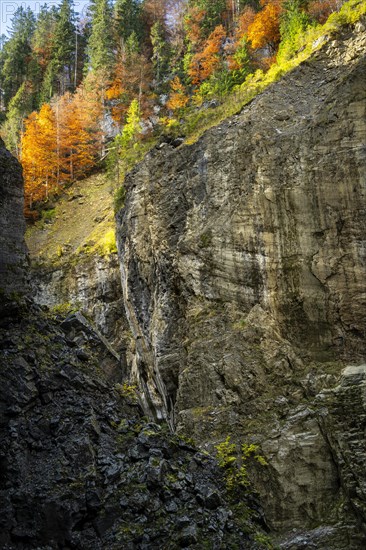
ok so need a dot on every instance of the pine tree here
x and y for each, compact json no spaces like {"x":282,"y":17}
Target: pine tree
{"x":127,"y":20}
{"x":19,"y":107}
{"x":213,"y":13}
{"x":100,"y":44}
{"x":63,"y":51}
{"x":42,"y":45}
{"x":42,"y":40}
{"x":160,"y":56}
{"x":17,"y":52}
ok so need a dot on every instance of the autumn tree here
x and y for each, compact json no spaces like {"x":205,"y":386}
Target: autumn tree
{"x":213,"y":10}
{"x":78,"y":136}
{"x":178,"y":99}
{"x":320,"y":10}
{"x":132,"y":78}
{"x":88,"y":100}
{"x":39,"y":155}
{"x":265,"y":29}
{"x":237,"y":49}
{"x":193,"y":26}
{"x":63,"y":141}
{"x":207,"y":61}
{"x":153,"y":11}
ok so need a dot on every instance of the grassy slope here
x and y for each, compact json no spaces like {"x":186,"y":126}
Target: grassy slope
{"x":82,"y":222}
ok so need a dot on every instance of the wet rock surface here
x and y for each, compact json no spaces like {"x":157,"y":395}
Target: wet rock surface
{"x":81,"y":468}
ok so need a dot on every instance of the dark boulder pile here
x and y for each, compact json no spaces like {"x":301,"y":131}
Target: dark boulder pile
{"x":80,"y":467}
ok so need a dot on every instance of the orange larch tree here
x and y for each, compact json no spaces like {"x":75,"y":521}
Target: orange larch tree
{"x":178,"y":98}
{"x":39,"y":155}
{"x":62,"y":142}
{"x":207,"y":61}
{"x":235,"y":48}
{"x":265,"y":29}
{"x":132,"y":79}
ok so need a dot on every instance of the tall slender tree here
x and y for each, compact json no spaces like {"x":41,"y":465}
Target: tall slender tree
{"x":160,"y":53}
{"x":59,"y":74}
{"x":64,"y":43}
{"x":127,"y":20}
{"x":42,"y":47}
{"x":17,"y":52}
{"x":100,"y":44}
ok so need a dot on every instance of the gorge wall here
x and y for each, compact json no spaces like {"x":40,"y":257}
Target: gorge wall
{"x":80,"y":467}
{"x":243,"y":273}
{"x":13,"y":254}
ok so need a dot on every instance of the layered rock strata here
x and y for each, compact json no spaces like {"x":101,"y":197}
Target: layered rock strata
{"x":243,"y":272}
{"x":91,"y":283}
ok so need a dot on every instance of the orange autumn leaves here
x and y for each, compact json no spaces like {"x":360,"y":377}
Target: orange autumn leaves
{"x":260,"y":29}
{"x":264,"y":31}
{"x":206,"y":62}
{"x":60,"y":143}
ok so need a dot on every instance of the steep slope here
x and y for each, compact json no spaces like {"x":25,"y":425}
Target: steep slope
{"x":81,"y":468}
{"x":243,"y":273}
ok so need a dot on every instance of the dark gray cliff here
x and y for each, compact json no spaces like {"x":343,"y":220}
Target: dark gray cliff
{"x":13,"y":255}
{"x":243,"y":272}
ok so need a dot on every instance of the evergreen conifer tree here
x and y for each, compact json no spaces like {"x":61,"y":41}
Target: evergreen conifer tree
{"x":100,"y":44}
{"x":63,"y":53}
{"x":127,"y":19}
{"x":16,"y":53}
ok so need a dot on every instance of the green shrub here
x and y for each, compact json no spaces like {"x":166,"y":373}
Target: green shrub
{"x":119,"y":198}
{"x":234,"y":462}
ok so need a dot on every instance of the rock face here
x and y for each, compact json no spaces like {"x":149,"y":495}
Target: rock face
{"x":74,"y":258}
{"x":92,"y":284}
{"x":243,"y":272}
{"x":13,"y":256}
